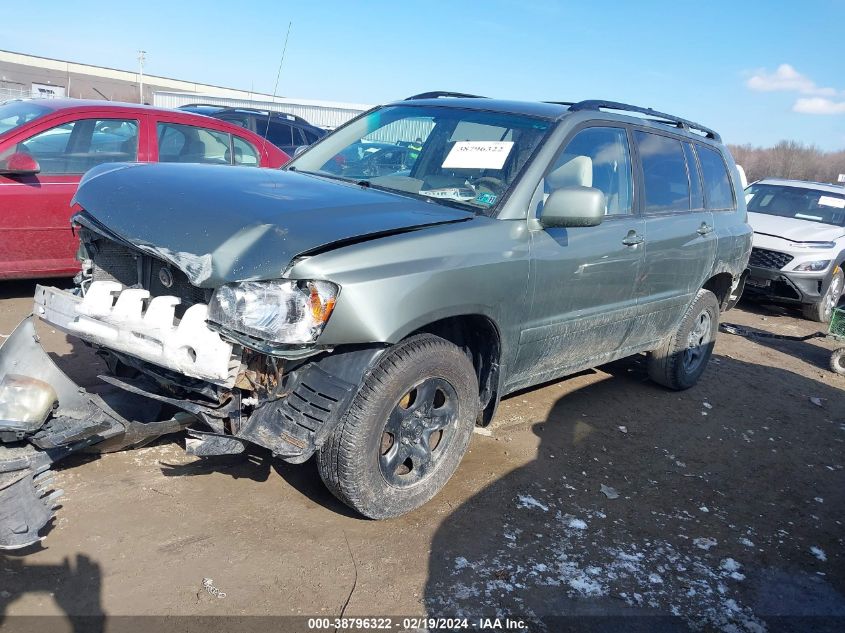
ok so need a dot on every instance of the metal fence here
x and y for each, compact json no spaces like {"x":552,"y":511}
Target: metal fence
{"x":7,"y":94}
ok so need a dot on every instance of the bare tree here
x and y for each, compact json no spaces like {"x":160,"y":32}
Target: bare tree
{"x":789,"y":159}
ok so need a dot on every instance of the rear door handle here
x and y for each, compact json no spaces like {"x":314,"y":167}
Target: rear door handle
{"x":633,"y":239}
{"x":704,"y":229}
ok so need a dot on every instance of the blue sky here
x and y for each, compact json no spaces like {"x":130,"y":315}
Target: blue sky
{"x":758,"y":72}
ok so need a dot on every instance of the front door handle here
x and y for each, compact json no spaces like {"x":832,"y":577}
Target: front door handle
{"x":633,"y":239}
{"x":704,"y":229}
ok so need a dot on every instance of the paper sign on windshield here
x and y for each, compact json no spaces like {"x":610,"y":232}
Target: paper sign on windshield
{"x":478,"y":155}
{"x":830,"y":201}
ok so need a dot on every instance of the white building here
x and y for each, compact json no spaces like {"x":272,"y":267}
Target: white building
{"x":24,"y":76}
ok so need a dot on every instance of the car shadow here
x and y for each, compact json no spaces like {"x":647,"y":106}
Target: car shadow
{"x":254,"y":464}
{"x":305,"y":479}
{"x":645,"y":502}
{"x":75,"y":586}
{"x":25,"y":288}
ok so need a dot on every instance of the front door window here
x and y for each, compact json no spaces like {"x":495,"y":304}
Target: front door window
{"x":77,"y":146}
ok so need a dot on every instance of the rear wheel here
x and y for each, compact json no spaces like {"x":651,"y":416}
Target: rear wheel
{"x":680,"y":361}
{"x":822,"y":311}
{"x":406,"y":431}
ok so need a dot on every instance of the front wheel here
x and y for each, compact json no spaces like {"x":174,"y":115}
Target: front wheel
{"x":680,"y":361}
{"x":406,"y":430}
{"x":822,"y":311}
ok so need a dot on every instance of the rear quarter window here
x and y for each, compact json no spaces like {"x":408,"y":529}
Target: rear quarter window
{"x":717,"y":183}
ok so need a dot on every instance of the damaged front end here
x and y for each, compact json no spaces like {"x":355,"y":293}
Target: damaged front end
{"x":170,"y":369}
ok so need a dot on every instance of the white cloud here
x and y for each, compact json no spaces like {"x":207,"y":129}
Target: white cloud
{"x":819,"y":105}
{"x":786,"y":78}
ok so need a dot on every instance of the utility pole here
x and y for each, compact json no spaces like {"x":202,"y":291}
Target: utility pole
{"x":141,"y":58}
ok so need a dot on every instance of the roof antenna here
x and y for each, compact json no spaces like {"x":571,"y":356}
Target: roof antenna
{"x":276,"y":87}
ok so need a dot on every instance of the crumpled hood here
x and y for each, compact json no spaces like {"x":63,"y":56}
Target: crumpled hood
{"x":221,"y":224}
{"x":793,"y":229}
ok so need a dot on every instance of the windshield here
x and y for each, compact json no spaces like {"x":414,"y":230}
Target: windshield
{"x":16,"y":113}
{"x":800,"y":203}
{"x":451,"y":156}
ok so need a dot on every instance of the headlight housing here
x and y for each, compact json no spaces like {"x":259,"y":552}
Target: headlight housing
{"x":814,"y":266}
{"x":286,"y":312}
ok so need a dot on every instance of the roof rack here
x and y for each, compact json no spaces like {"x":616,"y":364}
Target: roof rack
{"x":262,"y":111}
{"x":201,"y":105}
{"x":661,"y":117}
{"x":443,"y":93}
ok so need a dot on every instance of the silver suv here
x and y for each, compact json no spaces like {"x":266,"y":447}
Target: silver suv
{"x":799,"y":244}
{"x":372,"y":318}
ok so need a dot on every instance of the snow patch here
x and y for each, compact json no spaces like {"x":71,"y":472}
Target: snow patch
{"x":527,"y":501}
{"x":705,"y":543}
{"x":818,"y":552}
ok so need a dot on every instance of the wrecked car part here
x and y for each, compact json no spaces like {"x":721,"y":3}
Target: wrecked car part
{"x":81,"y":421}
{"x":283,"y":312}
{"x":275,"y":222}
{"x":114,"y":261}
{"x":25,"y":404}
{"x":212,"y":416}
{"x":26,"y":505}
{"x":63,"y":431}
{"x":318,"y":394}
{"x":118,"y":318}
{"x":739,"y":330}
{"x":21,"y":355}
{"x":261,"y":373}
{"x":171,"y":381}
{"x":201,"y":444}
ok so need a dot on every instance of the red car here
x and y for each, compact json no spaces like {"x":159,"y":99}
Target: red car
{"x":46,"y":146}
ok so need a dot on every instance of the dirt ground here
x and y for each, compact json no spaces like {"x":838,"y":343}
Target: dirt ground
{"x":729,"y":511}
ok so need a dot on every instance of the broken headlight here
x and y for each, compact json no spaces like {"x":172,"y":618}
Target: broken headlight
{"x":286,"y":312}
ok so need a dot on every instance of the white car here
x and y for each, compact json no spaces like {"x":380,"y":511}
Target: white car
{"x":799,"y":244}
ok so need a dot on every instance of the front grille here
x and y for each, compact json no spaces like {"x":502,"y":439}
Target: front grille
{"x":763,"y":258}
{"x":115,"y":262}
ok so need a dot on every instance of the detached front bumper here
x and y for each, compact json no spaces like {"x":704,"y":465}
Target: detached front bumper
{"x":77,"y":420}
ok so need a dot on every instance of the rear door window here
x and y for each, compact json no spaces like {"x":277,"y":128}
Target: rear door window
{"x":664,"y":169}
{"x":717,"y":183}
{"x":244,"y":153}
{"x":279,"y":134}
{"x":179,"y":143}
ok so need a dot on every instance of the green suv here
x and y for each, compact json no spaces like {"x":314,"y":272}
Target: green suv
{"x":374,"y":318}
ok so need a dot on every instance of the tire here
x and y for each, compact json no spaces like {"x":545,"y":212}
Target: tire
{"x":421,"y":400}
{"x":679,"y":362}
{"x":822,"y":311}
{"x":837,"y":361}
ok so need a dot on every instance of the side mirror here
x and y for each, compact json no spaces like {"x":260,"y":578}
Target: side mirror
{"x":297,"y":151}
{"x":19,"y":164}
{"x":573,"y":206}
